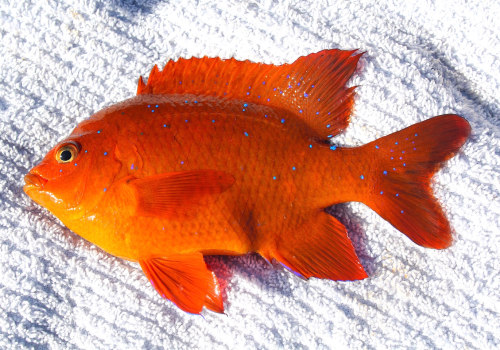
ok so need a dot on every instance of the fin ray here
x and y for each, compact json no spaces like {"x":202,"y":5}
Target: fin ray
{"x":406,"y":160}
{"x":321,"y":249}
{"x":186,"y":281}
{"x":174,"y":195}
{"x":312,"y":88}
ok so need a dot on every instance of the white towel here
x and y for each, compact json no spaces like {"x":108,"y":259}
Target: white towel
{"x":63,"y":60}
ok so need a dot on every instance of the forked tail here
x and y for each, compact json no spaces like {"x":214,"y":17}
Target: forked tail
{"x":398,"y":180}
{"x":391,"y":175}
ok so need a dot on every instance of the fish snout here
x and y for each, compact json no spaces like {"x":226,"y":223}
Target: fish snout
{"x":33,"y":181}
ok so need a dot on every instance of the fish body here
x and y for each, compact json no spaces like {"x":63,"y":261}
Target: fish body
{"x":227,"y":157}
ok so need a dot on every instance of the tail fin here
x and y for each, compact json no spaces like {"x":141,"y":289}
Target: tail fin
{"x":403,"y":164}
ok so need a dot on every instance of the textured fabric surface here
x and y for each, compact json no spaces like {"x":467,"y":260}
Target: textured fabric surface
{"x":63,"y":60}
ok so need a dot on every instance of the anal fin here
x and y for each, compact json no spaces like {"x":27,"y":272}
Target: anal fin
{"x":321,"y":249}
{"x":185,"y":280}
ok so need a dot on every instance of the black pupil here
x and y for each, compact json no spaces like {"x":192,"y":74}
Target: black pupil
{"x":65,"y":155}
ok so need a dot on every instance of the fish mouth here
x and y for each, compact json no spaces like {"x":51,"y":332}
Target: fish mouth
{"x":33,"y":181}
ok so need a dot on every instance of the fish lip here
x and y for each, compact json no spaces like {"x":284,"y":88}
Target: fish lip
{"x":33,"y":181}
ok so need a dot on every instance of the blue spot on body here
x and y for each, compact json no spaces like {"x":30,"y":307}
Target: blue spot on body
{"x":274,"y":177}
{"x":149,"y":106}
{"x":186,"y":101}
{"x":105,"y":153}
{"x":60,"y":170}
{"x":152,"y":111}
{"x":263,"y":83}
{"x":362,"y":177}
{"x":213,"y":120}
{"x":156,"y":106}
{"x":86,"y":151}
{"x":164,"y":125}
{"x":132,"y":167}
{"x":195,"y":101}
{"x":265,"y":115}
{"x":186,"y":120}
{"x":333,"y":148}
{"x":376,"y":146}
{"x":310,"y":146}
{"x":245,"y":104}
{"x":245,"y":133}
{"x":98,"y":131}
{"x":317,"y":113}
{"x":329,"y":136}
{"x":248,"y":93}
{"x":283,"y":121}
{"x":76,"y":164}
{"x":385,"y":172}
{"x":381,"y":192}
{"x":396,"y":143}
{"x":305,"y":94}
{"x":397,"y":194}
{"x":300,"y":110}
{"x":182,"y":162}
{"x":416,"y":134}
{"x":105,"y":189}
{"x":293,"y":168}
{"x":404,"y":164}
{"x":328,"y":125}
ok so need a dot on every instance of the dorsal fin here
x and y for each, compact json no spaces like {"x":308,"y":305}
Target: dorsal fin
{"x":311,"y":88}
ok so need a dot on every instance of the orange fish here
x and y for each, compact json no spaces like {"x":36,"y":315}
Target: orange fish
{"x":221,"y":157}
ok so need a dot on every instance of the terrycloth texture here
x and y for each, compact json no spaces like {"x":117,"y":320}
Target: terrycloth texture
{"x":63,"y":60}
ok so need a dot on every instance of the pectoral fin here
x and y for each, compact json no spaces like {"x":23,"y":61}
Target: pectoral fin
{"x":186,"y":281}
{"x":175,"y":194}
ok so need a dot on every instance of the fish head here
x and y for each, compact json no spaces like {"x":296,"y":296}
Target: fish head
{"x":74,"y":175}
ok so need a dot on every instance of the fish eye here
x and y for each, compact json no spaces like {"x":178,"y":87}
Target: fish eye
{"x":67,"y":153}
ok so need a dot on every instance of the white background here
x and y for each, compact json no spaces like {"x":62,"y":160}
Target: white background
{"x":61,"y":61}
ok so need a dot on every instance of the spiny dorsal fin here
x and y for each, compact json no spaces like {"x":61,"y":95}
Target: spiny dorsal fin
{"x":311,"y":88}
